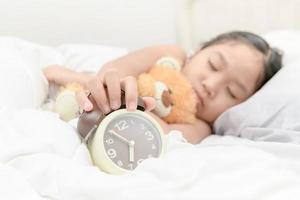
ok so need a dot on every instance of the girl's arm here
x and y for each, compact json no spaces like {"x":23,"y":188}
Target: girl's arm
{"x":141,"y":60}
{"x":61,"y":75}
{"x":131,"y":64}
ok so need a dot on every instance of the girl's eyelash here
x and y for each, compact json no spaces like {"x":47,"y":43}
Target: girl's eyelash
{"x":212,"y":66}
{"x":230,"y":93}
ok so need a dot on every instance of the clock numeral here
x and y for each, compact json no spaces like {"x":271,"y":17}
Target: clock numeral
{"x":130,"y":166}
{"x":140,"y":161}
{"x":149,"y":135}
{"x":132,"y":122}
{"x":109,"y":141}
{"x":153,"y":146}
{"x":111,"y":153}
{"x":120,"y":163}
{"x":142,"y":126}
{"x":121,"y":125}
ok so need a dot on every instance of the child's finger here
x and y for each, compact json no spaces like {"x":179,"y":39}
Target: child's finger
{"x":149,"y":103}
{"x":131,"y":92}
{"x":99,"y":95}
{"x":83,"y":101}
{"x":112,"y":81}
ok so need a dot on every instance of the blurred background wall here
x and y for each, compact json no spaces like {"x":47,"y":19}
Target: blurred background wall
{"x":126,"y":23}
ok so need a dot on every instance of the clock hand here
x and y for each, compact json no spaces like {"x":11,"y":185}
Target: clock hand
{"x":131,"y":151}
{"x":130,"y":144}
{"x":119,"y":136}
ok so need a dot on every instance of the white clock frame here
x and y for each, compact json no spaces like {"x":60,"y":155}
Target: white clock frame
{"x":96,"y":143}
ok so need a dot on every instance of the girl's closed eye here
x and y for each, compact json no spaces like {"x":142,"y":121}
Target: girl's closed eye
{"x":231,"y":94}
{"x":212,"y":66}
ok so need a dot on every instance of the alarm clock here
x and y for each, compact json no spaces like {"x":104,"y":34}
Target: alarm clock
{"x":120,"y":140}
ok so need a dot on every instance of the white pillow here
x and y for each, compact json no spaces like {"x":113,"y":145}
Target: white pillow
{"x":273,"y":113}
{"x":22,"y":83}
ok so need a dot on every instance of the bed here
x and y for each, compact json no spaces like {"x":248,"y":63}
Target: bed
{"x":253,"y":155}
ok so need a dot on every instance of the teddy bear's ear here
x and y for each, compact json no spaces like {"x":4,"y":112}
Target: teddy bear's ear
{"x":169,"y":62}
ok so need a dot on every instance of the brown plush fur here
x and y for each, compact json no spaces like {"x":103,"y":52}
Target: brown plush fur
{"x":183,"y":98}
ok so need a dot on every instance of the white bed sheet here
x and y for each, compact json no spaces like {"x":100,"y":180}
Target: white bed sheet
{"x":41,"y":157}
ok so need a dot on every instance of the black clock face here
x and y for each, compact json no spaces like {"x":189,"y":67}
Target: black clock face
{"x":131,"y":138}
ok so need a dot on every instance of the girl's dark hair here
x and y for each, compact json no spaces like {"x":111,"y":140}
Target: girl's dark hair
{"x":273,"y":61}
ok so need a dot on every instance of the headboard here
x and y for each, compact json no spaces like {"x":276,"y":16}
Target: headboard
{"x":200,"y":20}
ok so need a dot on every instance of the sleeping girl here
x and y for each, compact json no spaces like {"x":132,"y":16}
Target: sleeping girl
{"x":224,"y":72}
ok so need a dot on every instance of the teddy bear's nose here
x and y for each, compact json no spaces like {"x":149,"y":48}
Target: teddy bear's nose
{"x":166,"y":98}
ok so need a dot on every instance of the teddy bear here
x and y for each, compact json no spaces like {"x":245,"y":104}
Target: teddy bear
{"x":173,"y":93}
{"x":62,"y":101}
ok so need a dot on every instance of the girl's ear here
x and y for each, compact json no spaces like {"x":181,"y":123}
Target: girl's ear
{"x":191,"y":54}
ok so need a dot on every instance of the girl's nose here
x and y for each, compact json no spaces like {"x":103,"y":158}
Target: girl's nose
{"x":208,"y":90}
{"x":212,"y":85}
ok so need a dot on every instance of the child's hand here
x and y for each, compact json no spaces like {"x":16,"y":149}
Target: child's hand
{"x":106,"y":91}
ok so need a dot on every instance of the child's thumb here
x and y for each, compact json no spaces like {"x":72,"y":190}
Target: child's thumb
{"x":149,"y":103}
{"x":83,"y":101}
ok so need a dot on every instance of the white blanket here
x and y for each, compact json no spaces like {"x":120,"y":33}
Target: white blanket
{"x":41,"y":157}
